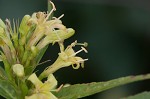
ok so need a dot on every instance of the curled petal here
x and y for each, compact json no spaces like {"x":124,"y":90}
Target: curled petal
{"x":49,"y":84}
{"x":77,"y":66}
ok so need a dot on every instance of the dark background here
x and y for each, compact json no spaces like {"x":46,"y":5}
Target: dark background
{"x":117,"y":32}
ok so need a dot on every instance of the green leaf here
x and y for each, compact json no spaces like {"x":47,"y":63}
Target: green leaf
{"x":143,"y":95}
{"x":83,"y":90}
{"x":40,"y":55}
{"x":7,"y":90}
{"x":3,"y":74}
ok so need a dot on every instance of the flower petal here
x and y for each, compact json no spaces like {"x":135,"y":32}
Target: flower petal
{"x":33,"y":78}
{"x":49,"y":84}
{"x":52,"y":80}
{"x":44,"y":95}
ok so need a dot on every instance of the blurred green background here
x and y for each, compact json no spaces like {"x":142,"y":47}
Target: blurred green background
{"x":117,"y":32}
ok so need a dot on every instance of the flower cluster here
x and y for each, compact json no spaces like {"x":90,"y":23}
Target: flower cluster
{"x":22,"y":47}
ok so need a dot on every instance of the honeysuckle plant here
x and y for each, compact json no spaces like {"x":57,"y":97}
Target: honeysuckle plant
{"x":22,"y":47}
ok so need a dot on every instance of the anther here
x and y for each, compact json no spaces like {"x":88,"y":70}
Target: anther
{"x":85,"y":44}
{"x":60,"y":16}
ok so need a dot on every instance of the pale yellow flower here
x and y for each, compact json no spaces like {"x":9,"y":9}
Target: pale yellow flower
{"x":66,"y":58}
{"x":44,"y":26}
{"x":55,"y":36}
{"x":42,"y":90}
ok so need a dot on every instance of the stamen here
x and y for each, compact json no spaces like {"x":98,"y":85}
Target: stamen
{"x":79,"y":51}
{"x":85,"y":60}
{"x":76,"y":53}
{"x":53,"y":9}
{"x":82,"y":49}
{"x":85,"y":44}
{"x":60,"y":16}
{"x":79,"y":61}
{"x":74,"y":43}
{"x":53,"y":6}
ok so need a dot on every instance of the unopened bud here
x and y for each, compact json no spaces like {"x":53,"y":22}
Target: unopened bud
{"x":18,"y":69}
{"x":34,"y":50}
{"x":1,"y":30}
{"x":2,"y":24}
{"x":24,"y":26}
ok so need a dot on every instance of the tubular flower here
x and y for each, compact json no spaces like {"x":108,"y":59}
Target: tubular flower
{"x":42,"y":90}
{"x":66,"y":58}
{"x":5,"y":42}
{"x":47,"y":30}
{"x":55,"y":36}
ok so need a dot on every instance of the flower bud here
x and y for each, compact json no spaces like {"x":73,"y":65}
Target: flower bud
{"x":1,"y":30}
{"x":34,"y":50}
{"x":24,"y":26}
{"x":2,"y":24}
{"x":18,"y":69}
